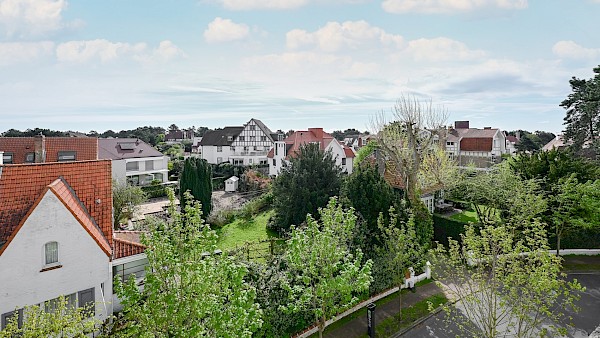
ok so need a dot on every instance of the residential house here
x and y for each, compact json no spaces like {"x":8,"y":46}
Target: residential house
{"x":178,"y":136}
{"x":283,"y":150}
{"x":557,"y":143}
{"x":472,"y":146}
{"x":357,"y":141}
{"x":246,"y":145}
{"x":134,"y":160}
{"x":511,"y":144}
{"x":196,"y":148}
{"x":55,"y":236}
{"x":41,"y":149}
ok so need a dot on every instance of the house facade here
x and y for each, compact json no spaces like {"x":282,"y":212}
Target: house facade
{"x":134,"y":161}
{"x":472,"y":146}
{"x":283,"y":150}
{"x":246,"y":145}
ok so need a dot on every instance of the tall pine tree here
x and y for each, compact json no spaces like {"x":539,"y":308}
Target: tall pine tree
{"x":197,"y":178}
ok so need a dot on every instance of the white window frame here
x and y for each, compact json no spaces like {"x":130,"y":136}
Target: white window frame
{"x":55,"y":254}
{"x":219,"y":149}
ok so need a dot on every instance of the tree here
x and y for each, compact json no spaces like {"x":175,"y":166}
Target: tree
{"x":304,"y":185}
{"x":196,"y":177}
{"x":400,"y":245}
{"x":326,"y":276}
{"x":528,"y":142}
{"x":188,"y":292}
{"x":63,"y":321}
{"x":506,"y":286}
{"x":582,"y":122}
{"x":417,"y":131}
{"x":576,"y":205}
{"x":364,"y":152}
{"x":126,"y":201}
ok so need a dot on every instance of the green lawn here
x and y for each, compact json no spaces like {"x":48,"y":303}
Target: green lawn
{"x":465,"y":216}
{"x":240,"y":231}
{"x":581,"y":263}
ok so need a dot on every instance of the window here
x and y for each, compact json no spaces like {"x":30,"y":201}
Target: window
{"x":449,"y":143}
{"x":149,"y":165}
{"x":256,"y":148}
{"x":219,"y":149}
{"x":245,"y":148}
{"x":87,"y":298}
{"x":276,"y":147}
{"x":252,"y":138}
{"x":252,"y":127}
{"x":64,"y":156}
{"x":131,"y":166}
{"x":263,"y":138}
{"x":242,"y":138}
{"x":219,"y":160}
{"x":344,"y":161}
{"x":249,"y":161}
{"x":50,"y":306}
{"x":6,"y":317}
{"x":229,"y":138}
{"x":274,"y":162}
{"x":232,"y":148}
{"x":51,"y":253}
{"x":263,"y":162}
{"x":29,"y":157}
{"x":7,"y":158}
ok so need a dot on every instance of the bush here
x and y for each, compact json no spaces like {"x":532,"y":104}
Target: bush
{"x":445,"y":227}
{"x":219,"y":218}
{"x":154,"y":191}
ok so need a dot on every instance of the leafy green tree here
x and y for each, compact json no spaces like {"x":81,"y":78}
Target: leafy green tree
{"x":369,"y":194}
{"x":304,"y":185}
{"x":126,"y":201}
{"x":576,"y":205}
{"x":364,"y":152}
{"x":63,"y":321}
{"x":529,"y":142}
{"x":582,"y":122}
{"x":400,"y":245}
{"x":196,"y":177}
{"x":326,"y":277}
{"x":188,"y":292}
{"x":506,"y":285}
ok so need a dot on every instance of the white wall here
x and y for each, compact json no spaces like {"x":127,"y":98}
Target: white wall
{"x":210,"y":154}
{"x":160,"y":165}
{"x":279,"y":154}
{"x":84,"y":264}
{"x":338,"y":154}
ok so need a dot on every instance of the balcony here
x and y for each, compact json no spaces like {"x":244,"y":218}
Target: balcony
{"x":250,"y":153}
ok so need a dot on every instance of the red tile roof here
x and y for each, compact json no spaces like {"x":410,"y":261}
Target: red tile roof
{"x":124,"y":248}
{"x":512,"y":139}
{"x":86,"y":148}
{"x":22,"y":185}
{"x":301,"y":137}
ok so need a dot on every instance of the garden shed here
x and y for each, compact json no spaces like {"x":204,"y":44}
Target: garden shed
{"x":231,"y":184}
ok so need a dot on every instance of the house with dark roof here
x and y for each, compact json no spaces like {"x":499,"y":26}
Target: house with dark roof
{"x":245,"y":145}
{"x":41,"y":149}
{"x":283,"y":150}
{"x":472,"y":146}
{"x":56,"y":237}
{"x":134,"y":160}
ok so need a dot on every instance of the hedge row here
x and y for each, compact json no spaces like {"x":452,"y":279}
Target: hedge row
{"x":445,"y":227}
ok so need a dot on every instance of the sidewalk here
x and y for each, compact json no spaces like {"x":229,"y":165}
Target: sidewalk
{"x":358,"y":326}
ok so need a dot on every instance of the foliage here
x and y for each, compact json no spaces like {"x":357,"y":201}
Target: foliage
{"x":364,"y":152}
{"x":64,"y":321}
{"x":304,"y":185}
{"x":126,"y":201}
{"x":175,"y":168}
{"x":324,"y":277}
{"x":576,"y":205}
{"x":196,"y":178}
{"x":179,"y":271}
{"x":506,"y":285}
{"x":253,"y":180}
{"x":148,"y":134}
{"x":582,"y":122}
{"x":369,"y":194}
{"x":241,"y":231}
{"x":341,"y":135}
{"x":443,"y":228}
{"x":155,"y":189}
{"x":392,"y":325}
{"x":34,"y":132}
{"x":400,"y":246}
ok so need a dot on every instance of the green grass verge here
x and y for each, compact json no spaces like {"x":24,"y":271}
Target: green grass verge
{"x":363,"y":312}
{"x":465,"y":216}
{"x":240,"y":231}
{"x":392,"y":325}
{"x":581,"y":263}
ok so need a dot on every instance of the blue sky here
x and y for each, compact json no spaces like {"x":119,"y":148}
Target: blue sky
{"x":96,"y":65}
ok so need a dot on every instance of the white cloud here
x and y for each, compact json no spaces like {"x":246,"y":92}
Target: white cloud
{"x":222,"y":30}
{"x":571,"y":50}
{"x":441,"y":49}
{"x":262,"y":4}
{"x":450,"y":6}
{"x":167,"y":51}
{"x":31,"y":17}
{"x":18,"y":52}
{"x":99,"y":49}
{"x":334,"y":36}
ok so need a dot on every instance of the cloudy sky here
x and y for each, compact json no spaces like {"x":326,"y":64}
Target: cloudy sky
{"x":114,"y":64}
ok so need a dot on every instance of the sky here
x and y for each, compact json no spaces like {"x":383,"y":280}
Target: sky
{"x":118,"y":64}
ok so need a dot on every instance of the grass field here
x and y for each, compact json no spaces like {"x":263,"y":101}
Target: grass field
{"x":241,"y":231}
{"x":465,"y":216}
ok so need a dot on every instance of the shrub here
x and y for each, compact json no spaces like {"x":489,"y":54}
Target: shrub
{"x":445,"y":227}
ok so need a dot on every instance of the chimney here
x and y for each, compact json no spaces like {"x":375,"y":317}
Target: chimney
{"x":317,"y":131}
{"x":461,"y":124}
{"x":39,"y":142}
{"x":518,"y":134}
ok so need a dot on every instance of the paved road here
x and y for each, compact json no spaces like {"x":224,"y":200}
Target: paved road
{"x":585,"y":321}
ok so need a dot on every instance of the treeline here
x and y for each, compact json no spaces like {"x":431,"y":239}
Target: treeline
{"x":531,"y":142}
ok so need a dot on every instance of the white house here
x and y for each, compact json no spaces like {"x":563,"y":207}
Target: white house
{"x":471,"y":146}
{"x":134,"y":160}
{"x":283,"y":150}
{"x":246,"y":145}
{"x":52,"y":243}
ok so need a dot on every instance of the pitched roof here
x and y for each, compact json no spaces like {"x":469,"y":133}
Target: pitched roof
{"x":265,"y":129}
{"x":125,"y":248}
{"x":220,"y":137}
{"x":301,"y":137}
{"x":122,"y":148}
{"x":512,"y":139}
{"x":21,"y":185}
{"x":86,"y":148}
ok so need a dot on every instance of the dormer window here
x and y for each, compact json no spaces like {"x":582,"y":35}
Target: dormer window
{"x":51,"y":253}
{"x":229,"y":138}
{"x":64,"y":156}
{"x":29,"y":157}
{"x":7,"y":158}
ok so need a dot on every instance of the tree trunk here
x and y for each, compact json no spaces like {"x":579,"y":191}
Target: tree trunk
{"x":558,"y":235}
